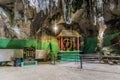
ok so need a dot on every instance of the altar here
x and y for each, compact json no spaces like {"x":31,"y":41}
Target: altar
{"x":69,"y":44}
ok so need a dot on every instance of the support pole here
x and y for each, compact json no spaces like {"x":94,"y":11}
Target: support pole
{"x":61,"y":43}
{"x":78,"y":44}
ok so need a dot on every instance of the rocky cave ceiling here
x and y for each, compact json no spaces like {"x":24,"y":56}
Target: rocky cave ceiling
{"x":67,"y":14}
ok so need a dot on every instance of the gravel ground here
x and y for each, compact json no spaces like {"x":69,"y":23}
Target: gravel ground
{"x":62,"y":71}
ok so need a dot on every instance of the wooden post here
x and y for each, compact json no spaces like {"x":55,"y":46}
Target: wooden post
{"x":78,"y":43}
{"x":74,"y":43}
{"x":61,"y":42}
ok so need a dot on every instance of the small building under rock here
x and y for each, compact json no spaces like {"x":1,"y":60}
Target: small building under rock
{"x":69,"y":40}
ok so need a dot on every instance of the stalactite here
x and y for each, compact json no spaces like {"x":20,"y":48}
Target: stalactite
{"x":91,"y":11}
{"x":112,"y":5}
{"x":50,"y":7}
{"x":25,"y":4}
{"x":101,"y":23}
{"x":76,"y":5}
{"x":67,"y":11}
{"x":94,"y":12}
{"x":5,"y":18}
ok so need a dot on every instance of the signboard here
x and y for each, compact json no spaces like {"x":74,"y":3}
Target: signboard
{"x":6,"y":54}
{"x":29,"y":53}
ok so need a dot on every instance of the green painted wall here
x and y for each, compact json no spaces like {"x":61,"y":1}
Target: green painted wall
{"x":16,"y":44}
{"x":20,"y":44}
{"x":108,"y":38}
{"x":90,"y":44}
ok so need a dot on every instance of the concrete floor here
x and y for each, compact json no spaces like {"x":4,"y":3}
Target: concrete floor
{"x":62,"y":71}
